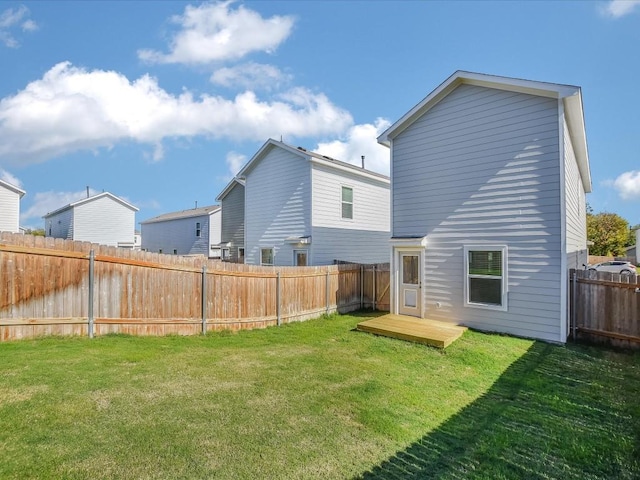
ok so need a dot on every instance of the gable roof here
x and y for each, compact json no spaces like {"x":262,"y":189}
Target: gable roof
{"x":13,"y":188}
{"x":193,"y":212}
{"x":309,"y":156}
{"x":570,"y":95}
{"x":234,"y":181}
{"x":91,"y":199}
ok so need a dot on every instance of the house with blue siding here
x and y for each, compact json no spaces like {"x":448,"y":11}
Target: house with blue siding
{"x":104,"y":219}
{"x":303,"y":208}
{"x":232,"y":205}
{"x":10,"y":196}
{"x":488,"y":210}
{"x":187,"y":232}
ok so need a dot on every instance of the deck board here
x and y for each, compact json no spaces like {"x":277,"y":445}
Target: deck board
{"x":420,"y":330}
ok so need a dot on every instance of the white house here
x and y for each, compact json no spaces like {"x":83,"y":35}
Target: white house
{"x":303,"y":208}
{"x":488,"y":183}
{"x":188,"y":232}
{"x":232,"y":203}
{"x":10,"y":196}
{"x":104,"y":219}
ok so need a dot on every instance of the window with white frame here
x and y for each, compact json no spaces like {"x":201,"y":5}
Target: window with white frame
{"x":485,"y":276}
{"x":225,"y":254}
{"x":198,"y":230}
{"x":266,"y":256}
{"x":347,"y":202}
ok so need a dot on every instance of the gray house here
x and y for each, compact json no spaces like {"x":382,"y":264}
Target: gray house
{"x":232,"y":203}
{"x":10,"y":196}
{"x":489,"y":176}
{"x":303,"y":208}
{"x":104,"y":219}
{"x":188,"y":232}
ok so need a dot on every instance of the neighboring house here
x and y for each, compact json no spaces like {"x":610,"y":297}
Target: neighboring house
{"x":489,"y":176}
{"x":187,"y":232}
{"x":232,"y":203}
{"x":303,"y":208}
{"x":104,"y":219}
{"x":10,"y":196}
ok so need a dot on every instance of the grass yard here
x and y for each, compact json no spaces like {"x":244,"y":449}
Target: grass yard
{"x":316,"y":400}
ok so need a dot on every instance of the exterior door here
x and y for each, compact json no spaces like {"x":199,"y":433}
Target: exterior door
{"x":409,"y":295}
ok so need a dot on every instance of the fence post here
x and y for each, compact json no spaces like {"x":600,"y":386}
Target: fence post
{"x":574,"y":303}
{"x":203,"y":297}
{"x":91,"y":283}
{"x":374,"y":286}
{"x":278,"y":317}
{"x":361,"y":287}
{"x":326,"y":288}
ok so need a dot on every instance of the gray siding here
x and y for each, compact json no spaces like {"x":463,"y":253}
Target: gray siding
{"x":104,"y":221}
{"x":177,"y":234}
{"x":233,"y":220}
{"x":483,"y":167}
{"x":358,"y":246}
{"x":60,"y":225}
{"x":9,"y":210}
{"x":277,"y":205}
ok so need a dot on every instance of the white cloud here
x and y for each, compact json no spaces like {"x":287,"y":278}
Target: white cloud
{"x":214,"y":32}
{"x":12,"y":18}
{"x":251,"y":76}
{"x":71,"y":109}
{"x":627,"y":184}
{"x":10,"y":178}
{"x":235,"y":161}
{"x":361,"y":140}
{"x":620,"y":8}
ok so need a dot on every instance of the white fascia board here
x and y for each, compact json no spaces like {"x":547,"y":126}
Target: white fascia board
{"x":229,"y":187}
{"x":397,"y":242}
{"x":262,"y":152}
{"x":574,"y":115}
{"x":13,"y":188}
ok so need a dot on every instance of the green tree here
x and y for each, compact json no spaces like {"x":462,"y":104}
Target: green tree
{"x":632,"y":235}
{"x":609,"y":233}
{"x":38,"y":232}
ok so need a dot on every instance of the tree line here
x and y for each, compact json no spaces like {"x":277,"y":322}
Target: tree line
{"x":610,"y":233}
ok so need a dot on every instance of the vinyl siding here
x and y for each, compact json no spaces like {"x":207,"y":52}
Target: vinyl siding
{"x":357,"y":246}
{"x":482,"y":167}
{"x":60,"y":225}
{"x":371,"y":198}
{"x":215,"y":234}
{"x":104,"y":221}
{"x":576,"y":211}
{"x":277,"y":205}
{"x":233,"y":220}
{"x":178,"y":234}
{"x":9,"y":210}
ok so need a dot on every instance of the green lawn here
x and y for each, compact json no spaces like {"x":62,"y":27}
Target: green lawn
{"x":316,"y":400}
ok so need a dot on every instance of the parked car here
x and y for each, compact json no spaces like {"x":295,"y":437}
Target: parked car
{"x":615,"y":266}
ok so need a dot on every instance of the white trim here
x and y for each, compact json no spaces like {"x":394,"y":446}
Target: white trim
{"x":504,"y":284}
{"x":564,"y":272}
{"x":399,"y":245}
{"x":342,"y":202}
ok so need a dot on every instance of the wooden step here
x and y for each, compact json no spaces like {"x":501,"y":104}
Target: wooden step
{"x":421,"y":330}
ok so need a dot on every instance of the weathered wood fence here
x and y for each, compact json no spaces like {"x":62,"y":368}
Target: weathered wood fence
{"x":60,"y":287}
{"x":605,"y":307}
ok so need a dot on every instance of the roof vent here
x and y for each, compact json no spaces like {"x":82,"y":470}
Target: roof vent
{"x":303,"y":149}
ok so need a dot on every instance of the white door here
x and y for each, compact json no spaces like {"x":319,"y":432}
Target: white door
{"x":409,"y":295}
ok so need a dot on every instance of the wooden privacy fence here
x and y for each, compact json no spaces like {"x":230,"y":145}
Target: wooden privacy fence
{"x":60,"y":287}
{"x":605,"y":307}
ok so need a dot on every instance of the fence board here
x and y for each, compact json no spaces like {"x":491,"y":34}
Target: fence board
{"x":605,"y":307}
{"x":45,"y":290}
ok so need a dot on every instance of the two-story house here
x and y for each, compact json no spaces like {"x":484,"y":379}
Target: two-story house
{"x":488,"y":182}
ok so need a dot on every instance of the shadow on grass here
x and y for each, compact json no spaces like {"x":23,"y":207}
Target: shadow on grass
{"x":558,"y":412}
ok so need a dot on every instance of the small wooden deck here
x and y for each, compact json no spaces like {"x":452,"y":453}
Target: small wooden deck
{"x":420,"y":330}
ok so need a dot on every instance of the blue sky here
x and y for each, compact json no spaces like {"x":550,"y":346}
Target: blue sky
{"x":162,"y":102}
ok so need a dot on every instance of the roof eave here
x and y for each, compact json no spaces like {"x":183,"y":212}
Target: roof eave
{"x":575,"y":123}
